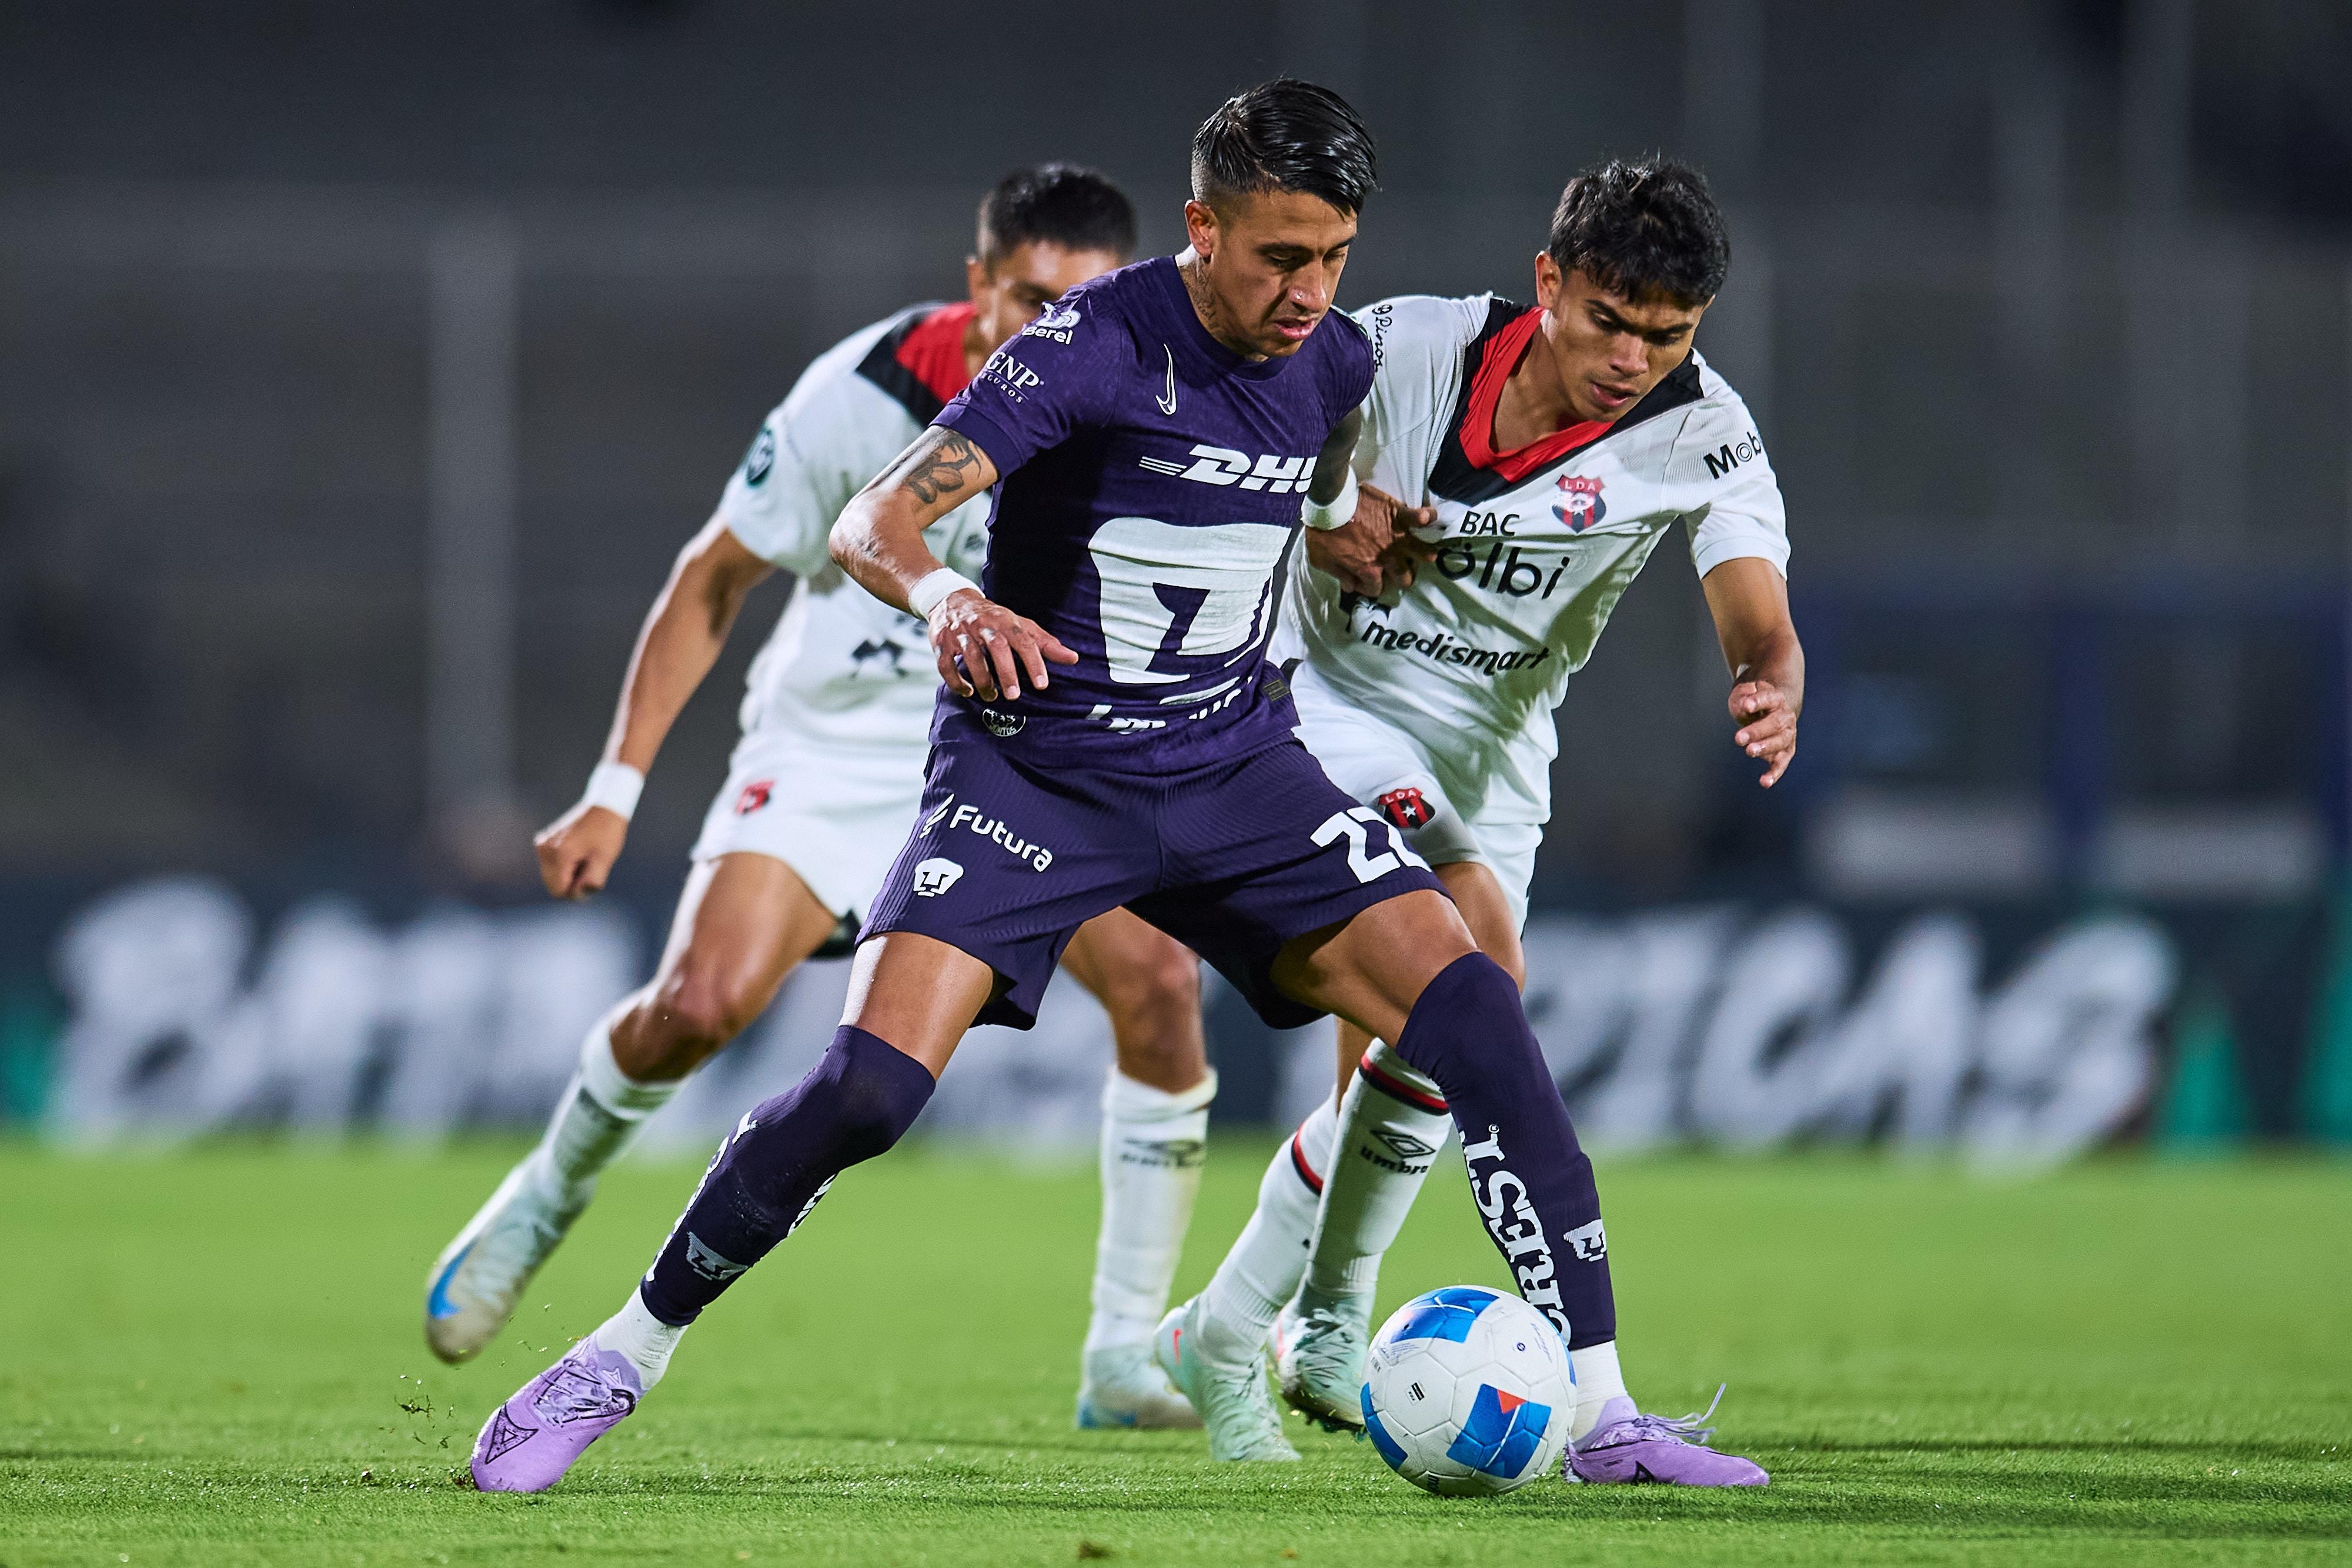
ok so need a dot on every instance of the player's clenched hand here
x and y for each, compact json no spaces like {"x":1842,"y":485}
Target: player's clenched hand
{"x":1767,"y":727}
{"x":577,"y":850}
{"x":983,"y":648}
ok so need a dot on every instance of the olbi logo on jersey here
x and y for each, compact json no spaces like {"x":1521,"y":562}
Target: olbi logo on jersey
{"x":936,"y":875}
{"x":1224,"y":465}
{"x":1579,"y":505}
{"x":755,"y":795}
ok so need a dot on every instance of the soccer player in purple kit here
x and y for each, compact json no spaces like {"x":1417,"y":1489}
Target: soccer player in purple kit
{"x":1112,"y":733}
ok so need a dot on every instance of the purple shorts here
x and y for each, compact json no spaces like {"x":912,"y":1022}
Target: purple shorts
{"x":1233,"y":858}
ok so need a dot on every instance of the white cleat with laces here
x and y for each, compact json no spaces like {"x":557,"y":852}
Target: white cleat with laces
{"x":1320,"y":1343}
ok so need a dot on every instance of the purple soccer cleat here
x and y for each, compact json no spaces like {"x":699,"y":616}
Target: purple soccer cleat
{"x":533,"y":1438}
{"x":1628,"y":1447}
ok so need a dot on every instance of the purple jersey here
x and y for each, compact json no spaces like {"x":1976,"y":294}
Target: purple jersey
{"x":1150,"y":481}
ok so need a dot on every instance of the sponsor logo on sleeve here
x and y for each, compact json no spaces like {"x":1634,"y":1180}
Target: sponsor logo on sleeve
{"x":1054,"y":323}
{"x":935,"y":877}
{"x":1731,"y":454}
{"x":938,"y":812}
{"x":760,"y":460}
{"x":753,"y":795}
{"x":1016,"y":380}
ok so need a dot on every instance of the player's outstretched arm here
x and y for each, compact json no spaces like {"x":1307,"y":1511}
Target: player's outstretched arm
{"x":983,"y":648}
{"x":676,"y":647}
{"x":1749,"y":601}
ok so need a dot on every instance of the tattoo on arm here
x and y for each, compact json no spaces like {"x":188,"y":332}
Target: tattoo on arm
{"x":939,"y":464}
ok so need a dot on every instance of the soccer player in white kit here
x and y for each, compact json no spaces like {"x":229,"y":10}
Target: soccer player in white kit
{"x":1516,"y":467}
{"x":819,"y":795}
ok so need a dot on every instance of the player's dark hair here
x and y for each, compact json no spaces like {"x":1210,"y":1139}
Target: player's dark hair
{"x":1642,"y":229}
{"x":1285,"y":135}
{"x":1056,"y":203}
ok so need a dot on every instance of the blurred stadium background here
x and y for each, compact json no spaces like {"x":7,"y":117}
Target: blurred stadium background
{"x":363,"y":367}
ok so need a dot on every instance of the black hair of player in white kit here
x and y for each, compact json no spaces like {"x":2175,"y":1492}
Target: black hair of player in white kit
{"x":1285,"y":135}
{"x":1644,"y":229}
{"x":1059,"y":204}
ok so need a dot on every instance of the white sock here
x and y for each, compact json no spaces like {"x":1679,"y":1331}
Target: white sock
{"x":644,"y":1339}
{"x":600,"y":1110}
{"x":1266,"y":1264}
{"x":1598,"y":1381}
{"x":1152,"y":1146}
{"x":1388,"y":1135}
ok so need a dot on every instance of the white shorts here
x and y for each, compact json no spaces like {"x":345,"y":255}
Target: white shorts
{"x":1388,"y":770}
{"x":837,"y":820}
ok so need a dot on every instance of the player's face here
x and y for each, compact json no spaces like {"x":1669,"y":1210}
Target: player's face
{"x":1271,"y":261}
{"x":1023,"y":281}
{"x":1608,"y":350}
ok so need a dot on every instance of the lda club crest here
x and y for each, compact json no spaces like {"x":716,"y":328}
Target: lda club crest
{"x":1579,"y":505}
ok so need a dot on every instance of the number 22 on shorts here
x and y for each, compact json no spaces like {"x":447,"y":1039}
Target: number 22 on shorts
{"x":1349,"y":825}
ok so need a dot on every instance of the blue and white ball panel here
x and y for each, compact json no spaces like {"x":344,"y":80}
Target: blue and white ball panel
{"x":1468,"y":1391}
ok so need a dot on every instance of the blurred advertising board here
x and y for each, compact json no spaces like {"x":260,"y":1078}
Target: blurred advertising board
{"x":168,"y":1008}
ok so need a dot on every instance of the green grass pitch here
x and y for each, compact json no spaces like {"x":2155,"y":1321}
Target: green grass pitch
{"x":214,"y":1358}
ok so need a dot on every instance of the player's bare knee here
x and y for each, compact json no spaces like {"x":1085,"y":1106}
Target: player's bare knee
{"x":1157,"y":995}
{"x":690,"y":1016}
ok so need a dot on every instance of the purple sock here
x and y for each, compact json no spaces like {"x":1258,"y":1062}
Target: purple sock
{"x":1533,"y":1185}
{"x":852,"y":1105}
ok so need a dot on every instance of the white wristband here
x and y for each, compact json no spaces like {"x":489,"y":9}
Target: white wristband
{"x":925,"y":596}
{"x":1323,"y":516}
{"x":614,"y":786}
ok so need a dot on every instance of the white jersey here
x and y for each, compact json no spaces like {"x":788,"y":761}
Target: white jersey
{"x":843,"y":670}
{"x":1536,"y":545}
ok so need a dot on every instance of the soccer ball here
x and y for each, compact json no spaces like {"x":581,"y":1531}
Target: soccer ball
{"x":1469,"y":1392}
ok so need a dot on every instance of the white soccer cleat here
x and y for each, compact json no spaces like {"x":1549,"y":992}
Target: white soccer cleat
{"x":1123,"y":1386}
{"x":1233,"y":1402}
{"x":474,"y":1283}
{"x":1320,"y":1346}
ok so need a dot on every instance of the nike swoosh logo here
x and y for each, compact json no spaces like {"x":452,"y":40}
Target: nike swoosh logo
{"x":1168,"y":403}
{"x":438,"y":1304}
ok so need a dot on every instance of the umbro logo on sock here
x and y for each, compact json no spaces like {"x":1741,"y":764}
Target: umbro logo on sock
{"x":1404,"y":1146}
{"x":1164,"y":1153}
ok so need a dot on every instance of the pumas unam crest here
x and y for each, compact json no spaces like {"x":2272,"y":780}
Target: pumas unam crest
{"x":1579,"y":505}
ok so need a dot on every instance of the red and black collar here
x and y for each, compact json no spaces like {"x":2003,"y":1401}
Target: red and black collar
{"x":1469,"y":469}
{"x":918,"y":359}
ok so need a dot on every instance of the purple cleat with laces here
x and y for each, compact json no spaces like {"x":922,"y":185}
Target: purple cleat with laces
{"x":1626,"y":1446}
{"x":533,"y":1438}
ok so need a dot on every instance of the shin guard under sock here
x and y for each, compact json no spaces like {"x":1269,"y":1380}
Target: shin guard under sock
{"x":1532,"y":1184}
{"x":862,"y":1095}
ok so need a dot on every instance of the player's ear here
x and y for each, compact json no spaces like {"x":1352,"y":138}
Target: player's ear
{"x":975,"y":278}
{"x":1547,"y":279}
{"x":1201,"y":228}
